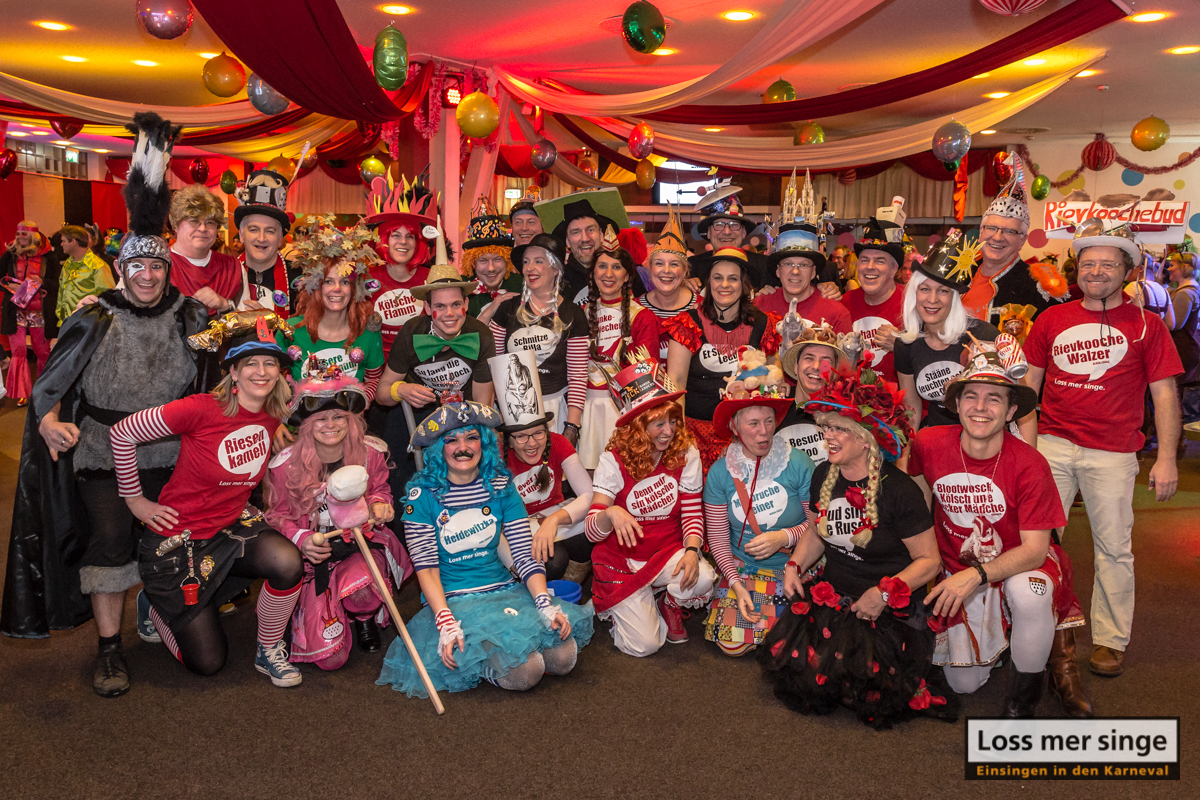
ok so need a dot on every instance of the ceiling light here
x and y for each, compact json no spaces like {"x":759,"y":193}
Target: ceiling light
{"x":102,"y":150}
{"x":40,"y":133}
{"x":1184,"y":51}
{"x":997,"y":95}
{"x":1034,"y":62}
{"x":738,"y":16}
{"x":397,"y":10}
{"x":17,"y":133}
{"x":1087,"y":73}
{"x":74,"y":59}
{"x":142,"y":63}
{"x":207,"y":56}
{"x":665,"y":51}
{"x":714,"y":130}
{"x":53,"y":26}
{"x":61,"y":141}
{"x":988,"y":132}
{"x":1151,"y":16}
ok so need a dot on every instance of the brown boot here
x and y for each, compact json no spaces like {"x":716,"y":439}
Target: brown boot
{"x":1064,"y":676}
{"x":1107,"y":662}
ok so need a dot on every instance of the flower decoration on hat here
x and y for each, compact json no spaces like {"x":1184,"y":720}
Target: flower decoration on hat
{"x":352,"y":251}
{"x":863,"y":396}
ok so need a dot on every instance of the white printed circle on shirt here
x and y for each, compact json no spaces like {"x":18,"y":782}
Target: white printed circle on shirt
{"x":244,"y":451}
{"x":653,"y":497}
{"x":843,"y":520}
{"x":931,"y":379}
{"x":542,"y":341}
{"x":397,"y":306}
{"x":527,"y":486}
{"x":714,"y":360}
{"x":330,"y":356}
{"x":868,"y":327}
{"x":807,"y":438}
{"x":581,"y":297}
{"x":449,"y":375}
{"x":1089,"y":349}
{"x":262,"y":295}
{"x":964,"y":497}
{"x":608,"y":327}
{"x":469,"y":529}
{"x":769,"y":501}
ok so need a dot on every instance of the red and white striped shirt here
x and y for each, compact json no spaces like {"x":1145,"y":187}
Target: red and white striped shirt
{"x":716,"y":520}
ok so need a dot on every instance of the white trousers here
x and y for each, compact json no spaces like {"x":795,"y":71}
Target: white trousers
{"x":638,"y":629}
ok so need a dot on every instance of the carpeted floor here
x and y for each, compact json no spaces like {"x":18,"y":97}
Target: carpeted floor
{"x":685,"y":723}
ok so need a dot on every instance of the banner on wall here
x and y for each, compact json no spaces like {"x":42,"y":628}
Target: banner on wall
{"x":1155,"y":222}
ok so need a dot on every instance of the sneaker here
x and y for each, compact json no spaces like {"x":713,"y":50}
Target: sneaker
{"x":111,"y":678}
{"x":273,"y":662}
{"x":673,"y":614}
{"x":145,"y":625}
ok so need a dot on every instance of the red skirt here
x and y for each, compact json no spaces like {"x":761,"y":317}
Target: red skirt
{"x":710,"y":444}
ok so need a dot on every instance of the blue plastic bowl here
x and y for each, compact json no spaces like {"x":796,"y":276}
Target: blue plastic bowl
{"x":567,"y":591}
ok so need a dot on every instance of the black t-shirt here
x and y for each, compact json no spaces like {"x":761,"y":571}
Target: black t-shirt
{"x":932,"y":368}
{"x":710,"y":366}
{"x":446,"y":371}
{"x":902,"y":514}
{"x":799,"y":429}
{"x":550,"y":348}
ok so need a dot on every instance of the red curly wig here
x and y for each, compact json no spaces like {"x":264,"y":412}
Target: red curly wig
{"x":310,"y":306}
{"x":633,"y":446}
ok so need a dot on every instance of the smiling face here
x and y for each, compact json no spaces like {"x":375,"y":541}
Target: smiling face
{"x":1002,"y":239}
{"x":537,"y":270}
{"x":725,"y":284}
{"x":330,"y":427}
{"x":401,"y":245}
{"x":984,"y":410}
{"x":530,"y":444}
{"x":610,"y":276}
{"x":1101,"y":271}
{"x":877,"y":273}
{"x":490,"y":269}
{"x":726,"y":233}
{"x":754,"y":428}
{"x":255,"y":376}
{"x":815,"y":362}
{"x":583,"y":239}
{"x":145,"y":280}
{"x":796,"y":274}
{"x":462,"y":449}
{"x":843,"y":444}
{"x":196,"y":237}
{"x":24,"y":238}
{"x":448,"y":311}
{"x":933,"y":302}
{"x":668,"y":271}
{"x":261,"y":235}
{"x":525,"y":226}
{"x":337,"y":291}
{"x":661,"y":432}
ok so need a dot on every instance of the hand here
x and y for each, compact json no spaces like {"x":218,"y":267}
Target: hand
{"x":543,"y":541}
{"x":53,"y":342}
{"x":830,"y":291}
{"x":694,"y":284}
{"x":562,"y":625}
{"x":282,"y":439}
{"x":626,"y":528}
{"x":690,"y":566}
{"x":745,"y":604}
{"x":767,"y":544}
{"x":415,"y":394}
{"x":1164,"y":478}
{"x":382,"y":512}
{"x":870,"y":605}
{"x":885,"y":337}
{"x":448,"y":652}
{"x":212,"y":301}
{"x":949,"y":595}
{"x":572,"y":435}
{"x":315,"y":553}
{"x":792,"y":585}
{"x":59,"y":436}
{"x":86,"y":301}
{"x":156,"y":517}
{"x":767,"y":291}
{"x":252,"y":305}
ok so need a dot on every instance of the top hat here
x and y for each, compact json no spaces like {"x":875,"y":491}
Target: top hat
{"x":265,"y":192}
{"x":518,"y":391}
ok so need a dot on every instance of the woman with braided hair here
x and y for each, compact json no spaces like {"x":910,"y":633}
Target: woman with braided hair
{"x":858,"y":636}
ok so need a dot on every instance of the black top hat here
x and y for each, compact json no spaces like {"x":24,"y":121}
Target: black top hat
{"x":951,"y":262}
{"x":265,"y":193}
{"x":887,"y":237}
{"x":544,"y":241}
{"x":579,"y":209}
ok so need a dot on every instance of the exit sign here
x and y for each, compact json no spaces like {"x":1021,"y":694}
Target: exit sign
{"x":72,"y":156}
{"x":513,"y":194}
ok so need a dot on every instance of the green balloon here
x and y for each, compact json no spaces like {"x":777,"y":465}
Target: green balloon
{"x":1040,"y":189}
{"x":391,"y":59}
{"x":779,"y":92}
{"x":643,"y":27}
{"x":228,"y":181}
{"x":952,"y":166}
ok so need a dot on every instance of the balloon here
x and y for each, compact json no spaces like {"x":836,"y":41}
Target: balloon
{"x":369,"y":130}
{"x":1011,"y":8}
{"x":645,"y":174}
{"x":8,"y":162}
{"x":847,"y":176}
{"x":543,"y":154}
{"x":228,"y":182}
{"x":542,"y":179}
{"x":283,"y":165}
{"x":1099,"y":154}
{"x":264,"y":99}
{"x":165,"y":19}
{"x":224,"y":76}
{"x":643,"y":27}
{"x":1150,"y":134}
{"x":371,"y":168}
{"x":477,"y":115}
{"x":951,"y":141}
{"x":641,"y":140}
{"x":66,"y":128}
{"x":198,"y":169}
{"x":951,"y":166}
{"x":1040,"y":188}
{"x":779,"y":92}
{"x":390,"y":59}
{"x":1001,"y":171}
{"x":809,"y":133}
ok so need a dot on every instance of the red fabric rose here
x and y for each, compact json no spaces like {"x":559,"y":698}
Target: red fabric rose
{"x":856,"y":497}
{"x":813,"y":661}
{"x":895,"y":592}
{"x":775,"y":648}
{"x":823,"y":594}
{"x":821,"y":679}
{"x":825,"y":632}
{"x":800,"y":607}
{"x":921,"y":699}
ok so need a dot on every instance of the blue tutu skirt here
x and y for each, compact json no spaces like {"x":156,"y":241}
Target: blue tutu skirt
{"x":502,"y":623}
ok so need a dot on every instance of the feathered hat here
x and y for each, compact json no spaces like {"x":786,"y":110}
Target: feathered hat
{"x":352,"y":250}
{"x":147,"y":197}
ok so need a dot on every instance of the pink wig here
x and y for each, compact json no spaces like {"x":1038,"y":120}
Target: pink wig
{"x":304,"y":473}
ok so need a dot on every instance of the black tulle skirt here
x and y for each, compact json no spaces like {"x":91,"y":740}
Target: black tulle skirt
{"x":820,"y":657}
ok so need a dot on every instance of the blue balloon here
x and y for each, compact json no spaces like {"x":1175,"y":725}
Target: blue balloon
{"x":1131,"y":178}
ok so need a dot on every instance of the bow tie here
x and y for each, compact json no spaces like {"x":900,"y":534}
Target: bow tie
{"x":426,"y":345}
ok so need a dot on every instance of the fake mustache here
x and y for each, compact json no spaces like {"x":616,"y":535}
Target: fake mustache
{"x":462,"y":454}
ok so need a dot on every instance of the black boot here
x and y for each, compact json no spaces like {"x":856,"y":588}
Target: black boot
{"x":1024,"y":694}
{"x":111,"y":678}
{"x":366,"y":632}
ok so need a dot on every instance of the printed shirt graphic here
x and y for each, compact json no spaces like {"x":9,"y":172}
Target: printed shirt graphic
{"x":1097,"y":369}
{"x":549,"y":348}
{"x":931,"y":369}
{"x":868,"y":319}
{"x":331,"y":353}
{"x":394,"y":302}
{"x":978,"y":517}
{"x":526,"y":476}
{"x":221,"y":459}
{"x":799,"y":429}
{"x":643,"y":332}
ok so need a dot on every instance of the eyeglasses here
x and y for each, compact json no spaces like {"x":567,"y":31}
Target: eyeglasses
{"x":1008,"y":233}
{"x":725,"y":225}
{"x":1105,"y":266}
{"x":523,"y":438}
{"x":837,"y":430}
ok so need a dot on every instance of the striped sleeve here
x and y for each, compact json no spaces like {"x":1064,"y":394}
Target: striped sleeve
{"x":372,"y":382}
{"x":716,"y":517}
{"x":498,"y":335}
{"x":520,"y":544}
{"x":577,"y":379}
{"x":591,"y":528}
{"x":794,"y":533}
{"x":144,"y":426}
{"x":421,"y":541}
{"x":693,"y":519}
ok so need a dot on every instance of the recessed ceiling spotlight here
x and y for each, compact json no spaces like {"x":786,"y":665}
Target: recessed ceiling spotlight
{"x":997,"y":95}
{"x":397,"y":10}
{"x":102,"y":150}
{"x":17,"y":133}
{"x":74,"y":59}
{"x":1184,"y":51}
{"x":1150,"y":16}
{"x":988,"y":132}
{"x":714,"y":130}
{"x":1034,"y":62}
{"x":665,"y":51}
{"x":1087,"y":73}
{"x":61,"y":141}
{"x":40,"y":133}
{"x":738,"y":16}
{"x":53,"y":26}
{"x":208,"y":55}
{"x":142,"y":63}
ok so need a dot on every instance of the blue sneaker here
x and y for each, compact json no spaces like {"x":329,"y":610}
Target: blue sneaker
{"x":273,"y":662}
{"x":145,"y":625}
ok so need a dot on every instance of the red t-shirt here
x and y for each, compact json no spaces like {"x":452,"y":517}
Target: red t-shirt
{"x":394,"y":301}
{"x":221,"y":460}
{"x":815,"y":309}
{"x":525,"y":476}
{"x":867,"y":319}
{"x":978,"y":515}
{"x":222,"y":274}
{"x":1097,"y":369}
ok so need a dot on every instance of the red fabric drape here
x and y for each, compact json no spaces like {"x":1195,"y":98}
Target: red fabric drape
{"x":1069,"y":22}
{"x":312,"y":59}
{"x":12,"y":205}
{"x":342,"y":171}
{"x":238,"y":133}
{"x":108,"y":206}
{"x":514,"y":161}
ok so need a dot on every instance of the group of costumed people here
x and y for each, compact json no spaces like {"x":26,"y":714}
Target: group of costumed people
{"x":852,"y":486}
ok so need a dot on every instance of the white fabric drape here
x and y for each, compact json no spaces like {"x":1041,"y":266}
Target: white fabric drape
{"x":797,"y":25}
{"x":317,"y":193}
{"x":316,"y":129}
{"x":563,"y":168}
{"x":923,"y":198}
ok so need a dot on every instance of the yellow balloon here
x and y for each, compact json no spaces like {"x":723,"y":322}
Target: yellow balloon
{"x":224,"y":75}
{"x":645,"y":174}
{"x":477,"y":115}
{"x":283,"y":165}
{"x":1150,"y":134}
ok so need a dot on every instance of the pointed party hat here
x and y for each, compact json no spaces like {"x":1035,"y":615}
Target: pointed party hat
{"x":671,"y":239}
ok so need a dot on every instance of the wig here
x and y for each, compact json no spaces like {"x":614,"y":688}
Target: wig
{"x":632,"y":444}
{"x":306,"y":473}
{"x":593,"y":304}
{"x":956,"y":324}
{"x":469,"y":257}
{"x":311,"y":307}
{"x":874,"y":464}
{"x":195,"y":202}
{"x":435,"y":476}
{"x":525,"y":313}
{"x":422,"y":255}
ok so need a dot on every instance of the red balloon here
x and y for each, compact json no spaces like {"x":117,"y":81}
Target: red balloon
{"x":8,"y":162}
{"x":641,"y":141}
{"x":847,"y":176}
{"x":198,"y":169}
{"x":66,"y":128}
{"x":1001,"y":171}
{"x":1099,"y":155}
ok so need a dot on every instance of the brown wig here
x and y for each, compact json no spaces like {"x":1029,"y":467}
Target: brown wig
{"x":632,"y":444}
{"x":593,"y":304}
{"x":312,"y":308}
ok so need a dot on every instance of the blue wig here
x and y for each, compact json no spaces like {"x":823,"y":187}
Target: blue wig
{"x":435,"y":476}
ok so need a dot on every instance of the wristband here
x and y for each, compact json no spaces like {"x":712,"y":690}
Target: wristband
{"x":395,"y":391}
{"x":792,"y":564}
{"x":982,"y":574}
{"x":692,"y":549}
{"x":571,"y":425}
{"x":547,"y":609}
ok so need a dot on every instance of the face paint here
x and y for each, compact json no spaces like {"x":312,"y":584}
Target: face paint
{"x":133,"y":269}
{"x":433,"y":314}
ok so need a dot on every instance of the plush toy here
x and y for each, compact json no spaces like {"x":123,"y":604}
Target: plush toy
{"x":346,"y":497}
{"x":755,"y":374}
